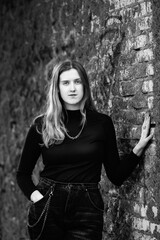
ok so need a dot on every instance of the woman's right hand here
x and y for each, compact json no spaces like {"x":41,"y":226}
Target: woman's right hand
{"x":36,"y":196}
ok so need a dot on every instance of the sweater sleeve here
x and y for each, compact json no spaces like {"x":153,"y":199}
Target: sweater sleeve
{"x":30,"y":154}
{"x":117,"y":170}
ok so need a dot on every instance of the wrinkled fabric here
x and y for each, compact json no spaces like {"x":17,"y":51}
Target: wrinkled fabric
{"x":75,"y":212}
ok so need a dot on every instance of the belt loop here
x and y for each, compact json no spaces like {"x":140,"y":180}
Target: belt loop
{"x":52,"y":189}
{"x":69,"y":186}
{"x":84,"y":187}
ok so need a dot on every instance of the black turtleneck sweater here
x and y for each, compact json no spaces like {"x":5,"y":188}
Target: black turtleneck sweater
{"x":79,"y":160}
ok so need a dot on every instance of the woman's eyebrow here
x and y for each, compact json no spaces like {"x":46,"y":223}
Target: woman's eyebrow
{"x":69,"y":79}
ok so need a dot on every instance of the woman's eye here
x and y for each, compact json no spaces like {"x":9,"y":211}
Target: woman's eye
{"x":78,"y":81}
{"x":65,"y":82}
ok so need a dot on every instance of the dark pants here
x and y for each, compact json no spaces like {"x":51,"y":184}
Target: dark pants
{"x":66,"y":212}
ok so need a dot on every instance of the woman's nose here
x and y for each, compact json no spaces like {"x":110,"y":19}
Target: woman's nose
{"x":72,"y":87}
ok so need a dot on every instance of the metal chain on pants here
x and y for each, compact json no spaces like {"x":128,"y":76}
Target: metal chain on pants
{"x":45,"y":211}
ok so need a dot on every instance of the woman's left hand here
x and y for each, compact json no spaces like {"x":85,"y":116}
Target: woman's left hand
{"x":145,"y":136}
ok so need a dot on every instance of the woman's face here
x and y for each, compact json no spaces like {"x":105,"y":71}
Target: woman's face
{"x":71,"y":89}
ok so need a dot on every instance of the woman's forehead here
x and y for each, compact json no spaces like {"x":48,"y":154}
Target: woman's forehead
{"x":69,"y":74}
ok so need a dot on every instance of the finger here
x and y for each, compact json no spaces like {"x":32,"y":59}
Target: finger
{"x":146,"y":123}
{"x":149,"y":137}
{"x":147,"y":118}
{"x":145,"y":132}
{"x":147,"y":115}
{"x":145,"y":128}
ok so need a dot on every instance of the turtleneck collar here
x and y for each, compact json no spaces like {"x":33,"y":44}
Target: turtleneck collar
{"x":72,"y":111}
{"x":73,"y":114}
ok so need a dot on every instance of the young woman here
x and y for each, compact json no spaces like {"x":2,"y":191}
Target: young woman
{"x":74,"y":141}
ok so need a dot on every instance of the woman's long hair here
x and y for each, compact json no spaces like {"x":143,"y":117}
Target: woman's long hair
{"x":53,"y":129}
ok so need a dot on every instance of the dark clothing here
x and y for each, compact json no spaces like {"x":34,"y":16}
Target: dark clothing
{"x":67,"y":212}
{"x":79,"y":160}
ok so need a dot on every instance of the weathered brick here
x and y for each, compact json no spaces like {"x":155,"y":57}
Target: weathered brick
{"x":150,"y":161}
{"x":140,"y":41}
{"x":151,"y":150}
{"x":126,"y":131}
{"x":135,"y":71}
{"x":129,"y":88}
{"x":154,"y":227}
{"x":147,"y":86}
{"x":140,"y":209}
{"x":139,"y":101}
{"x":150,"y":102}
{"x":123,"y":3}
{"x":142,"y":236}
{"x":150,"y":70}
{"x":145,"y":55}
{"x":145,"y":8}
{"x":135,"y":132}
{"x":145,"y":225}
{"x":141,"y":224}
{"x":150,"y":39}
{"x":128,"y":46}
{"x":155,"y":211}
{"x":144,"y":23}
{"x":126,"y":116}
{"x":120,"y":102}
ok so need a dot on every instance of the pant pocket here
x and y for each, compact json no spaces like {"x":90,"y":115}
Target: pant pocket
{"x":37,"y":215}
{"x":95,"y":199}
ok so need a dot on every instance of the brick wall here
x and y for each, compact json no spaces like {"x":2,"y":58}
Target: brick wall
{"x":134,"y":92}
{"x":118,"y":43}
